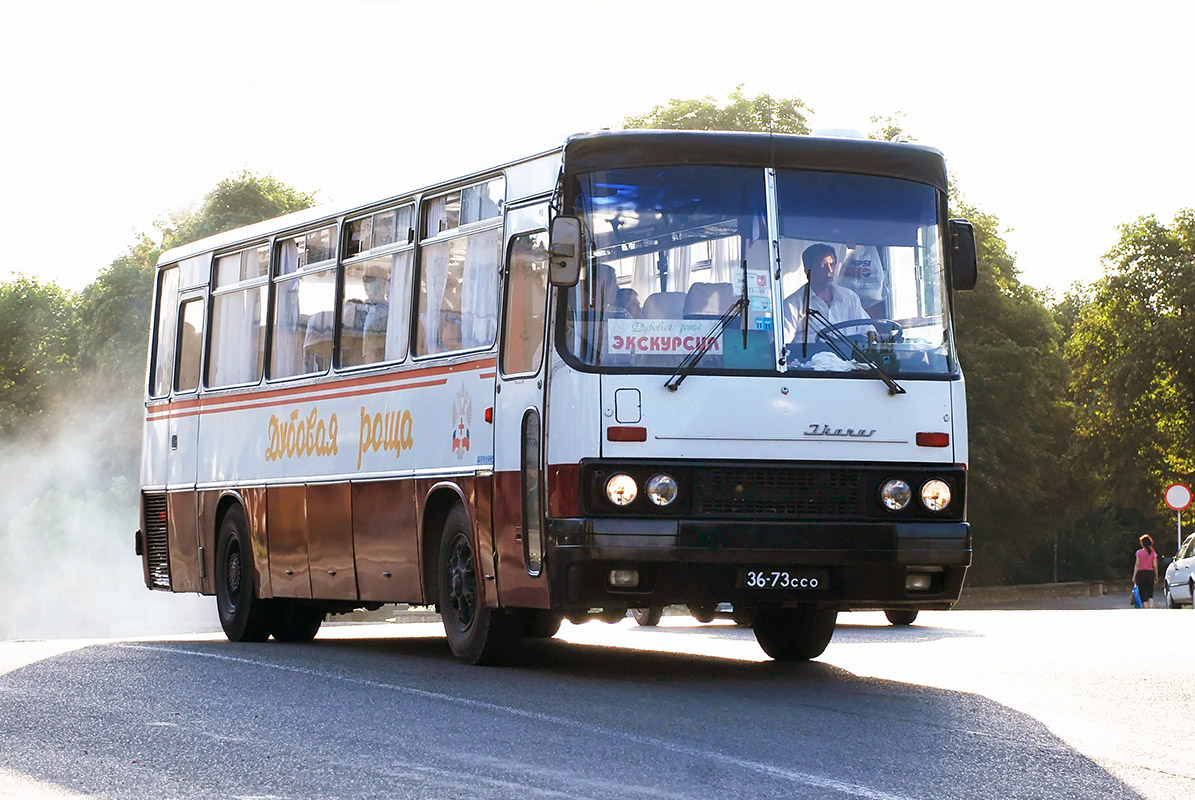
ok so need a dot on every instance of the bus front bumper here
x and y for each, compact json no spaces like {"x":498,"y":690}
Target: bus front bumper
{"x":705,"y":562}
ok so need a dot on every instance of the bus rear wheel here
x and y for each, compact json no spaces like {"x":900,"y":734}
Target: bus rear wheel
{"x":648,"y":617}
{"x":294,"y":622}
{"x":476,"y":633}
{"x":244,"y":616}
{"x":794,"y":634}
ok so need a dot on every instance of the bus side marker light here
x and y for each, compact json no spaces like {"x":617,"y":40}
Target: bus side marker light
{"x":927,"y":439}
{"x":626,"y":433}
{"x":489,"y":415}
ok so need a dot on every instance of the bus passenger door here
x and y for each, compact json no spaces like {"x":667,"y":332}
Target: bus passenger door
{"x":518,"y":503}
{"x":183,"y":439}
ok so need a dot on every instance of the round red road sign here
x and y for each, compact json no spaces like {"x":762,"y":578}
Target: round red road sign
{"x":1178,"y":497}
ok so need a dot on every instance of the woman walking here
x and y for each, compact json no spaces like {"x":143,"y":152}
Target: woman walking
{"x":1145,"y":570}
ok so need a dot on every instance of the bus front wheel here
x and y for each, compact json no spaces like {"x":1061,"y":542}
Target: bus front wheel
{"x":476,"y":633}
{"x":901,"y":616}
{"x":294,"y":622}
{"x":540,"y":623}
{"x":794,"y":634}
{"x":244,"y":616}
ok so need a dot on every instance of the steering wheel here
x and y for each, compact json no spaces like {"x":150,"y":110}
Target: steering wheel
{"x":894,"y":328}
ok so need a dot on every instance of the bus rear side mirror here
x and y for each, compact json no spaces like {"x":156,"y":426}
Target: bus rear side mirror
{"x":964,"y":265}
{"x":564,"y":254}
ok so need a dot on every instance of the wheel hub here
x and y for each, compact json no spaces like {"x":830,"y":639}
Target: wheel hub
{"x":462,"y":583}
{"x":228,"y":591}
{"x":234,"y":572}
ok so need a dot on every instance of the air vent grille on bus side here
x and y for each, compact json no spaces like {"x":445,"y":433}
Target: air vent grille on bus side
{"x":157,"y":546}
{"x":779,"y":491}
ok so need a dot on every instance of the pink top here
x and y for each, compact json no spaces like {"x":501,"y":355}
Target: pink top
{"x":1145,"y":560}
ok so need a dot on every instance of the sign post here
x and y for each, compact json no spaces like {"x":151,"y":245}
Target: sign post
{"x":1178,"y":497}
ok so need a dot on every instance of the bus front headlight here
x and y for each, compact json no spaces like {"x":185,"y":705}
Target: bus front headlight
{"x":895,"y":494}
{"x":935,"y":494}
{"x":621,"y":489}
{"x":662,"y":489}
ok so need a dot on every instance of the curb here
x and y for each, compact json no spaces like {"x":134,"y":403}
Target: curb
{"x":978,"y":597}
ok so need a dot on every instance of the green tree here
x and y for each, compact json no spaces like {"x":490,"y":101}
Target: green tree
{"x":1133,"y":355}
{"x":39,"y":345}
{"x":1019,"y":419}
{"x":69,"y":470}
{"x":1071,"y":307}
{"x":114,"y":310}
{"x":740,"y":113}
{"x":240,"y":200}
{"x":889,"y":128}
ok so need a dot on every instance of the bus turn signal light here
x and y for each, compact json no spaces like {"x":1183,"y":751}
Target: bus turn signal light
{"x":925,"y":439}
{"x":626,"y":433}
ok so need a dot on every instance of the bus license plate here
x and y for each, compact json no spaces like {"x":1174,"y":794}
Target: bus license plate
{"x":802,"y":580}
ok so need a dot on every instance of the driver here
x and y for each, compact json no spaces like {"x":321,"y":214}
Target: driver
{"x":836,"y":303}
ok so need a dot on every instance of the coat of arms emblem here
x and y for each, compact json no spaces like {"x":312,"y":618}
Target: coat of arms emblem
{"x":462,"y":417}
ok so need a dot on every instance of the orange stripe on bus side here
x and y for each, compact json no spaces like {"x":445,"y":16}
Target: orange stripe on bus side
{"x":308,"y":399}
{"x":322,"y":391}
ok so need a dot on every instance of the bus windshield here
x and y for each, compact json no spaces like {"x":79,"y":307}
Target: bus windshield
{"x":861,"y":268}
{"x":671,"y":249}
{"x":668,"y":251}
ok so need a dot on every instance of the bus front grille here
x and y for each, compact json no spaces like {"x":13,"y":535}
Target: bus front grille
{"x":157,"y":547}
{"x":778,"y":491}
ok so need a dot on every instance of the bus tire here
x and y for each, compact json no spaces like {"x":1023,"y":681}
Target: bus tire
{"x":648,"y":617}
{"x":794,"y":634}
{"x":476,"y":633}
{"x":295,"y":622}
{"x":244,"y":616}
{"x":743,"y":617}
{"x":900,"y":616}
{"x":540,"y":623}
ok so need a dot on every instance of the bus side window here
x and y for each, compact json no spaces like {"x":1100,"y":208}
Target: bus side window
{"x":458,"y":293}
{"x":526,"y":304}
{"x":165,"y":335}
{"x":190,"y":344}
{"x":304,"y":303}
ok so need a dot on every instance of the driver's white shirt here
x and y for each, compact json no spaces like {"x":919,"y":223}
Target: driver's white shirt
{"x":844,"y":305}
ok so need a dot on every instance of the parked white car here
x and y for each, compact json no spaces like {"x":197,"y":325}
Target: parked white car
{"x":1179,"y":584}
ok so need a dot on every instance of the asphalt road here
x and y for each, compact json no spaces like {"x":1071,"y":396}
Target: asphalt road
{"x":965,"y":704}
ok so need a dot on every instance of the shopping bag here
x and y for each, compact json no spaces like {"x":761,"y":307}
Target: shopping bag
{"x":1136,"y":597}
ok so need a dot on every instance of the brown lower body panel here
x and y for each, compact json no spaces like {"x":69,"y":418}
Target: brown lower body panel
{"x":358,"y":542}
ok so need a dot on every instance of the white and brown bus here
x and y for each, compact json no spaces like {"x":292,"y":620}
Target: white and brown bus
{"x":615,"y":375}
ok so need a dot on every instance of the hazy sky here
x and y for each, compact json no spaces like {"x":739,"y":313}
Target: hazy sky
{"x":1064,"y":120}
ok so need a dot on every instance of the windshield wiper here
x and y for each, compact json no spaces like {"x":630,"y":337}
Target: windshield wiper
{"x":686,"y":367}
{"x":828,"y":328}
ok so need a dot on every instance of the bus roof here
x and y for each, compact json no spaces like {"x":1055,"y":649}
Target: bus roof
{"x":629,"y":148}
{"x":613,"y":149}
{"x":327,"y":211}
